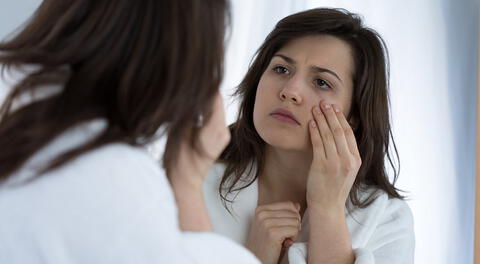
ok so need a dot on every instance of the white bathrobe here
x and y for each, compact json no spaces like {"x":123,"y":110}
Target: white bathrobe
{"x":382,"y":233}
{"x":111,"y":205}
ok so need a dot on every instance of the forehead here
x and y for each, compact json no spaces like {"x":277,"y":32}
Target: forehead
{"x":321,"y":50}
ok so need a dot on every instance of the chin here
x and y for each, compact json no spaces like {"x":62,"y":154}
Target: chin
{"x":283,"y":140}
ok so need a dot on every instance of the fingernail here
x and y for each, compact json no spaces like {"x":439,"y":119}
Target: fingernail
{"x":327,"y":106}
{"x":297,"y":205}
{"x":337,"y":109}
{"x":312,"y":123}
{"x":317,"y":109}
{"x":287,"y":243}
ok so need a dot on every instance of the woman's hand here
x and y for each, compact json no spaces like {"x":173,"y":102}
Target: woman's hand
{"x":275,"y":226}
{"x":191,"y":168}
{"x":336,"y":159}
{"x":213,"y":138}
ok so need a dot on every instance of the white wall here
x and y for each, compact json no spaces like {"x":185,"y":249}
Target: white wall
{"x":13,"y":13}
{"x":433,"y":51}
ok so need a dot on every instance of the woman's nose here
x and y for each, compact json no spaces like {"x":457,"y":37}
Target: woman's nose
{"x":291,"y":91}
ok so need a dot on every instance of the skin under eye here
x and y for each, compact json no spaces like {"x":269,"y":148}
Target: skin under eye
{"x":281,"y":70}
{"x":322,"y":84}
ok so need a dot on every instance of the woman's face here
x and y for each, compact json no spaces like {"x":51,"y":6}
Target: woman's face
{"x":300,"y":75}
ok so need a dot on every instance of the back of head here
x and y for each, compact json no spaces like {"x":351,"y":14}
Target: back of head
{"x":138,"y":64}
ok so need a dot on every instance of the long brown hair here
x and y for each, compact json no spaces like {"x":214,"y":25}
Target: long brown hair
{"x":137,"y":64}
{"x":370,"y":103}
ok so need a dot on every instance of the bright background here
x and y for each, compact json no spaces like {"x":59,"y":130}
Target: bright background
{"x":433,"y":51}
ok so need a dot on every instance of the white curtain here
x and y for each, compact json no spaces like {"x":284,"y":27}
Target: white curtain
{"x":433,"y":54}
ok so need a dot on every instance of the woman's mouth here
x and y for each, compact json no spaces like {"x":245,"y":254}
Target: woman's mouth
{"x":285,"y":116}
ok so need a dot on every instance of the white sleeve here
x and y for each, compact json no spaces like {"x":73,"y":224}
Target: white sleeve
{"x":156,"y":237}
{"x":213,"y":248}
{"x":113,"y":205}
{"x":392,"y":241}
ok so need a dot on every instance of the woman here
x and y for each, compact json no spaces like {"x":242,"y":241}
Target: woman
{"x":101,"y":79}
{"x":306,"y":162}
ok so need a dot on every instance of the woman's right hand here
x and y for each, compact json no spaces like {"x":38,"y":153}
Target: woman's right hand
{"x":193,"y":166}
{"x":273,"y":225}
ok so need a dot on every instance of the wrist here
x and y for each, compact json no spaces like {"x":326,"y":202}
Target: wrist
{"x":326,"y":211}
{"x":186,"y":181}
{"x":192,"y":211}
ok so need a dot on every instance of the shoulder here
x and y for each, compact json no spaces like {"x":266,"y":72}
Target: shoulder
{"x":119,"y":157}
{"x":397,"y":210}
{"x":385,"y":214}
{"x":391,"y":209}
{"x":111,"y":189}
{"x":120,"y":169}
{"x":116,"y":176}
{"x":117,"y":162}
{"x":385,"y":224}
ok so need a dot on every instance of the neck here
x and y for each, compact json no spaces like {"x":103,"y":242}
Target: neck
{"x":284,"y":176}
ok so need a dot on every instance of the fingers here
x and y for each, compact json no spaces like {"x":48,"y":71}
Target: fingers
{"x":336,"y":130}
{"x":280,"y":220}
{"x":326,"y":135}
{"x":288,"y":222}
{"x":331,"y":134}
{"x":280,"y":233}
{"x":265,"y":214}
{"x":315,"y":138}
{"x":349,"y":135}
{"x":272,"y":226}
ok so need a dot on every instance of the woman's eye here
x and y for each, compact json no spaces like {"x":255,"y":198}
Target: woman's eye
{"x":281,"y":70}
{"x":322,"y":84}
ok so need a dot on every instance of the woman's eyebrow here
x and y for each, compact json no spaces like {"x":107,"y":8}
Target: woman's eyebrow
{"x":314,"y":68}
{"x":320,"y":69}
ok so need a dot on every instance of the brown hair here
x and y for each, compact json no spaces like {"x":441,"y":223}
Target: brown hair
{"x":370,"y":102}
{"x":137,"y":64}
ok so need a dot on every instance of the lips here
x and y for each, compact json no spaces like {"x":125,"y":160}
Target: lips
{"x":284,"y":116}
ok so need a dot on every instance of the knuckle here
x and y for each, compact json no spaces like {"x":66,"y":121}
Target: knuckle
{"x":348,"y":168}
{"x":327,"y":137}
{"x":350,"y":165}
{"x":338,"y":131}
{"x":291,"y":205}
{"x":261,"y":215}
{"x":348,"y":131}
{"x":359,"y":161}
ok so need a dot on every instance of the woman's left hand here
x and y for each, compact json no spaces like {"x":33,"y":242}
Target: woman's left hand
{"x":336,"y":159}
